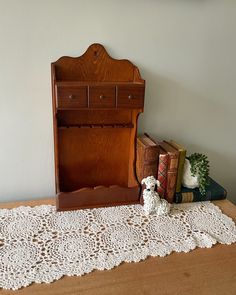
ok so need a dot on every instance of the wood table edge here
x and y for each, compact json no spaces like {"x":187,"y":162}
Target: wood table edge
{"x":226,"y":206}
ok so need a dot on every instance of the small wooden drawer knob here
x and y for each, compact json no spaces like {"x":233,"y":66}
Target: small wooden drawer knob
{"x":71,"y":96}
{"x":101,"y":96}
{"x":130,"y":96}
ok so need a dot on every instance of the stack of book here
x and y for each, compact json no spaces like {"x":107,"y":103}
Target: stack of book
{"x":165,"y":161}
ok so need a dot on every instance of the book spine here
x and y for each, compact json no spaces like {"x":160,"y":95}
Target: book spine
{"x":171,"y":177}
{"x":147,"y":158}
{"x":139,"y":161}
{"x":182,"y":155}
{"x":195,"y":196}
{"x":162,"y":174}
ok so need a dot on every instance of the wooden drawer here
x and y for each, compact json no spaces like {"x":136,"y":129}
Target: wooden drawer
{"x":72,"y":97}
{"x":102,"y":96}
{"x":130,"y":97}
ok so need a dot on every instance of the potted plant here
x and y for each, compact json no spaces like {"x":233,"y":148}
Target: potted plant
{"x":196,"y":172}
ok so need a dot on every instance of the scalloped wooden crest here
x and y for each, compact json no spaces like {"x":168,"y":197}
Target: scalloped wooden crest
{"x":95,"y":65}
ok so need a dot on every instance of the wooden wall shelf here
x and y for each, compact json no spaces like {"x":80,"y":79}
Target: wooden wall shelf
{"x":96,"y":103}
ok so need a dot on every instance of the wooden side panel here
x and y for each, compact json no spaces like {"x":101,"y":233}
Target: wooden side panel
{"x":55,"y":135}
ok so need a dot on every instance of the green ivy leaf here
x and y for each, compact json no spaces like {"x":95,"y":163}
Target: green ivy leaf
{"x":200,"y":166}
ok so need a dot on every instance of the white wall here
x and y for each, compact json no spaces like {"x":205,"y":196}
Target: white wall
{"x":185,"y":49}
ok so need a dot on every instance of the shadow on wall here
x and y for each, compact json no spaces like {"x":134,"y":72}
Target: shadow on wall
{"x":174,"y":108}
{"x":173,"y":111}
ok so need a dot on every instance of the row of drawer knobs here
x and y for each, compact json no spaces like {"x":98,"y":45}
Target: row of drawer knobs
{"x":101,"y":96}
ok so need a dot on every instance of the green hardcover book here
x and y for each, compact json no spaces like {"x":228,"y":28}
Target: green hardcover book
{"x":214,"y":192}
{"x":182,"y":155}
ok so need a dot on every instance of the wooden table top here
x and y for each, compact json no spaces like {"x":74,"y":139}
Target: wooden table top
{"x":201,"y":271}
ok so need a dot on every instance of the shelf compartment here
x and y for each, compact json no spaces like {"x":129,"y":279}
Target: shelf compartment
{"x":93,"y":156}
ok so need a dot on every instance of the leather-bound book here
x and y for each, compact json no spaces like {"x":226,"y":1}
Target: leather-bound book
{"x":173,"y":156}
{"x":180,"y":170}
{"x":162,"y":172}
{"x":214,"y":191}
{"x":147,"y":157}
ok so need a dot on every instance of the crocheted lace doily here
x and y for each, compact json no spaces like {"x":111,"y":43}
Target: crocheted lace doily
{"x":39,"y":245}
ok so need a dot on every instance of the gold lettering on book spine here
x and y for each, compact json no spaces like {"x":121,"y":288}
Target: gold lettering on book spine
{"x":187,"y":197}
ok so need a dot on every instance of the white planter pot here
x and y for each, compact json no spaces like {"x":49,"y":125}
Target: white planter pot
{"x":188,"y":180}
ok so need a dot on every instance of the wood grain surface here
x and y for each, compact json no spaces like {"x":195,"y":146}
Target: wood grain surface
{"x":202,"y":271}
{"x":91,"y":94}
{"x":96,"y":65}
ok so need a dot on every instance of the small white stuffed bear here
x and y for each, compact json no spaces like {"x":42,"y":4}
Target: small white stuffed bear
{"x":152,"y":202}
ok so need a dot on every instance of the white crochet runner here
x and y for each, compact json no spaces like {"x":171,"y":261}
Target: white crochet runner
{"x":39,"y":245}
